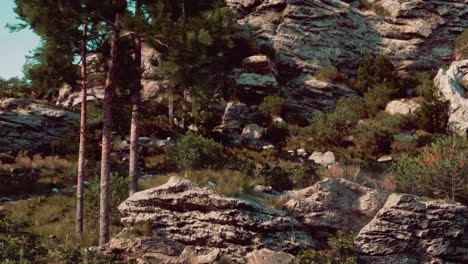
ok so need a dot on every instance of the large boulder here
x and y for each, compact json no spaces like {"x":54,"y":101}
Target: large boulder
{"x":266,"y":256}
{"x":402,"y":107}
{"x":29,"y":126}
{"x":334,"y":204}
{"x":410,"y":230}
{"x":306,"y":35}
{"x":449,"y":84}
{"x":197,"y":216}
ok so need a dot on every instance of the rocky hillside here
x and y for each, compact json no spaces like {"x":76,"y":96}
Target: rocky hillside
{"x":186,"y":218}
{"x":305,"y":35}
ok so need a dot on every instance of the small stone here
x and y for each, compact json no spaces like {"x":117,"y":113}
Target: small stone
{"x":301,"y":152}
{"x":323,"y":158}
{"x":385,"y":158}
{"x":267,"y":256}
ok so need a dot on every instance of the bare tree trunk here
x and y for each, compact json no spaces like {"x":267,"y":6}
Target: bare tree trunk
{"x":82,"y":149}
{"x":104,"y":217}
{"x":171,"y":107}
{"x":135,"y":122}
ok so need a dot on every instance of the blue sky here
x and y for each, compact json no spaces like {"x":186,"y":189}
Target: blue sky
{"x":13,"y":46}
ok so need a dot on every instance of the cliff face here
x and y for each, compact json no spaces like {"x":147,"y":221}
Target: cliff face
{"x":306,"y":35}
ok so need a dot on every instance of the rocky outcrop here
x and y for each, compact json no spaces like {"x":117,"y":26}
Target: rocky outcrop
{"x":305,"y":35}
{"x":402,"y":107}
{"x":159,"y":250}
{"x":448,"y":82}
{"x":196,"y":216}
{"x":29,"y":126}
{"x":235,"y":116}
{"x":266,"y":256}
{"x":334,"y":204}
{"x":408,"y":230}
{"x":71,"y":96}
{"x":323,"y":158}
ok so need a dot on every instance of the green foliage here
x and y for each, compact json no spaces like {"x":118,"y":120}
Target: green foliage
{"x":192,"y":151}
{"x":432,"y":116}
{"x":277,"y":133}
{"x":391,"y":123}
{"x":439,"y":171}
{"x":376,"y":70}
{"x":377,"y":97}
{"x":271,"y":106}
{"x":118,"y":192}
{"x":78,"y":255}
{"x":287,"y":178}
{"x":371,"y":140}
{"x":7,"y":157}
{"x":461,"y":45}
{"x":331,"y":74}
{"x":227,"y":182}
{"x":374,"y":6}
{"x":276,"y":177}
{"x":353,"y":104}
{"x":342,"y":252}
{"x":17,"y":247}
{"x":15,"y":87}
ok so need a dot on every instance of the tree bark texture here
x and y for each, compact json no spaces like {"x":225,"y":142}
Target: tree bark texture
{"x":104,"y":216}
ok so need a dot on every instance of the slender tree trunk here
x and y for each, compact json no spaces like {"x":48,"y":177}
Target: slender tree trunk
{"x":171,"y":107}
{"x":82,"y":149}
{"x":104,"y":217}
{"x":135,"y":122}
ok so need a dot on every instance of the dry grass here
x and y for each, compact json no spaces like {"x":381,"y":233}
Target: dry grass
{"x":373,"y":179}
{"x":38,"y":162}
{"x":52,"y":219}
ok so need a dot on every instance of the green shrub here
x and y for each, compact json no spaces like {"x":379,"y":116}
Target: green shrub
{"x":461,"y":46}
{"x":277,"y":134}
{"x":330,"y":74}
{"x":432,"y":116}
{"x":371,"y":140}
{"x":271,"y":106}
{"x":377,"y":97}
{"x":7,"y":157}
{"x":342,"y":252}
{"x":440,"y":171}
{"x":276,"y":177}
{"x":353,"y":104}
{"x":391,"y":123}
{"x":376,"y":69}
{"x":192,"y":151}
{"x":16,"y":247}
{"x":227,"y":182}
{"x":78,"y":255}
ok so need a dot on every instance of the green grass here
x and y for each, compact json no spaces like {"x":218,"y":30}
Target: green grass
{"x":52,"y":219}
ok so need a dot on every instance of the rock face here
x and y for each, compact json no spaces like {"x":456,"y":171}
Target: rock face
{"x":195,"y":216}
{"x":25,"y":125}
{"x":253,"y":131}
{"x":448,"y":82}
{"x":266,"y":256}
{"x":334,"y":204}
{"x":410,"y":231}
{"x":305,"y":35}
{"x":70,"y":96}
{"x":402,"y":107}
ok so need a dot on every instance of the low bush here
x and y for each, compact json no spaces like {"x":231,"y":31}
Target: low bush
{"x":392,"y":123}
{"x":439,"y":171}
{"x":371,"y":140}
{"x":342,"y":252}
{"x":277,"y":134}
{"x":376,"y":70}
{"x":432,"y":116}
{"x":377,"y":97}
{"x":331,"y":74}
{"x":353,"y":104}
{"x":461,"y":46}
{"x":271,"y":106}
{"x":290,"y":177}
{"x":192,"y":151}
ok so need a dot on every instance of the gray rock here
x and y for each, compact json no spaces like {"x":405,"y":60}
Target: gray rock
{"x":410,"y":230}
{"x":306,"y":35}
{"x":323,"y":158}
{"x":449,"y":85}
{"x":260,"y":64}
{"x":334,"y":204}
{"x":266,"y":256}
{"x":253,"y":131}
{"x":301,"y":152}
{"x":402,"y":107}
{"x":385,"y":158}
{"x":195,"y":216}
{"x":29,"y":126}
